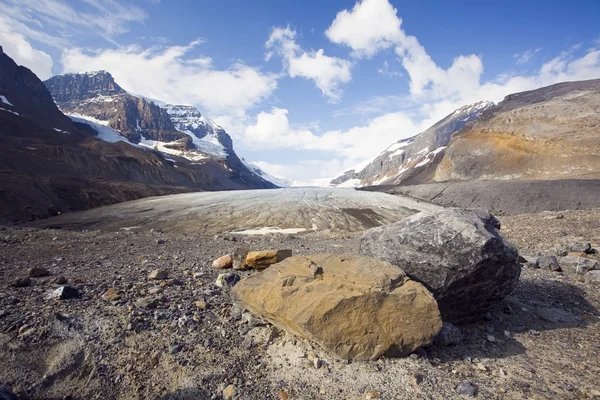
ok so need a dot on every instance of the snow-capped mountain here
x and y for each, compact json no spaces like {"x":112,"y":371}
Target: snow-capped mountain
{"x":412,"y":157}
{"x":179,"y":132}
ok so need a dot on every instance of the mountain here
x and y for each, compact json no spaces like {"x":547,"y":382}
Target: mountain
{"x":50,"y":164}
{"x":543,"y":134}
{"x":412,"y":158}
{"x":179,"y":132}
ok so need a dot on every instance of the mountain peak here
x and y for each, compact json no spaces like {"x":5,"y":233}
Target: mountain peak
{"x":82,"y":86}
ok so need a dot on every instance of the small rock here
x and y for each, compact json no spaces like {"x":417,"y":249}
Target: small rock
{"x":158,"y":274}
{"x":176,"y":348}
{"x":60,"y":280}
{"x":282,"y":395}
{"x":449,"y":335}
{"x":491,"y":338}
{"x":592,"y":277}
{"x":200,"y":304}
{"x":549,"y":262}
{"x":416,"y":379}
{"x":239,"y":259}
{"x":146,"y":303}
{"x":223,"y":262}
{"x":373,"y":395}
{"x":156,"y":290}
{"x":111,"y":294}
{"x":160,"y":241}
{"x":64,"y":293}
{"x":21,"y":282}
{"x":578,"y":247}
{"x":227,"y":281}
{"x":559,"y":216}
{"x":467,"y":388}
{"x":229,"y":392}
{"x":38,"y":272}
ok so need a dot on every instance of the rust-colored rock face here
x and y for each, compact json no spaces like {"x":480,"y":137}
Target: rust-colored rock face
{"x":357,"y":307}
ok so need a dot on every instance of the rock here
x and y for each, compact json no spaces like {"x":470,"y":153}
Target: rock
{"x":467,"y":388}
{"x":111,"y":294}
{"x":158,"y":274}
{"x":577,"y":265}
{"x":229,"y":392}
{"x":491,"y":338}
{"x":146,"y":303}
{"x":459,"y":255}
{"x":531,"y":262}
{"x":578,"y":248}
{"x":6,"y":393}
{"x":38,"y":272}
{"x":21,"y":282}
{"x":201,"y":304}
{"x":449,"y":335}
{"x":60,"y":280}
{"x":223,"y":262}
{"x":227,"y":281}
{"x":592,"y":277}
{"x":549,"y":262}
{"x":357,"y":307}
{"x":64,"y":293}
{"x":239,"y":259}
{"x":260,"y":260}
{"x":373,"y":395}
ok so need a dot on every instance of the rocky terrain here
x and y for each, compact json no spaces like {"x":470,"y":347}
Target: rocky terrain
{"x":415,"y":158}
{"x":548,"y":133}
{"x":50,"y":164}
{"x":504,"y":197}
{"x":150,"y":319}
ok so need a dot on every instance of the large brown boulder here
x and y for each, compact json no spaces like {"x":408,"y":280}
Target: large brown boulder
{"x":357,"y":307}
{"x":459,"y":255}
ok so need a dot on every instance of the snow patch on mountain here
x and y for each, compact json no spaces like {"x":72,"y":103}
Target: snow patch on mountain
{"x":104,"y":132}
{"x":5,"y":101}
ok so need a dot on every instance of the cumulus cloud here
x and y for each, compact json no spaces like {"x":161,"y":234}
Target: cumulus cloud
{"x":526,"y":56}
{"x":20,"y":50}
{"x":272,"y":130}
{"x":328,"y":73}
{"x":371,"y":26}
{"x":171,"y":74}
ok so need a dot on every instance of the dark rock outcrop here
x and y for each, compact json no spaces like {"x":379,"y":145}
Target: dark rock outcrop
{"x":459,"y":255}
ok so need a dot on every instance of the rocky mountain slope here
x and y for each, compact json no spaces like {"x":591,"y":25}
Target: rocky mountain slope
{"x":544,"y":134}
{"x":50,"y":164}
{"x":412,"y":158}
{"x":180,"y":132}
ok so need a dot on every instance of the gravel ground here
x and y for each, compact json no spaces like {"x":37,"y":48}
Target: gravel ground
{"x":181,"y":338}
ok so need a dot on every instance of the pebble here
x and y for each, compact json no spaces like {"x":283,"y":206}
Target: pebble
{"x":61,"y":280}
{"x":38,"y":272}
{"x":64,"y":293}
{"x":111,"y":294}
{"x":158,"y":274}
{"x":449,"y":335}
{"x":491,"y":338}
{"x":229,"y":392}
{"x":227,"y":280}
{"x":21,"y":282}
{"x":373,"y":395}
{"x":467,"y":388}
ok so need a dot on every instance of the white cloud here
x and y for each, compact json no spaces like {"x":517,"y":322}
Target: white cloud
{"x":328,"y":73}
{"x":272,"y":130}
{"x":173,"y":75}
{"x":371,"y":26}
{"x":526,"y":56}
{"x":304,"y":170}
{"x":107,"y":18}
{"x":386,"y":71}
{"x":15,"y":45}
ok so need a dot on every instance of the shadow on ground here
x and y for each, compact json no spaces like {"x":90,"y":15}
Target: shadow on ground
{"x":536,"y":305}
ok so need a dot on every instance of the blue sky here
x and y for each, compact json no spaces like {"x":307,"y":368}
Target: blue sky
{"x":309,"y":89}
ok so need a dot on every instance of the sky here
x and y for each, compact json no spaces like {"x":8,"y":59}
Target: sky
{"x":308,"y":89}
